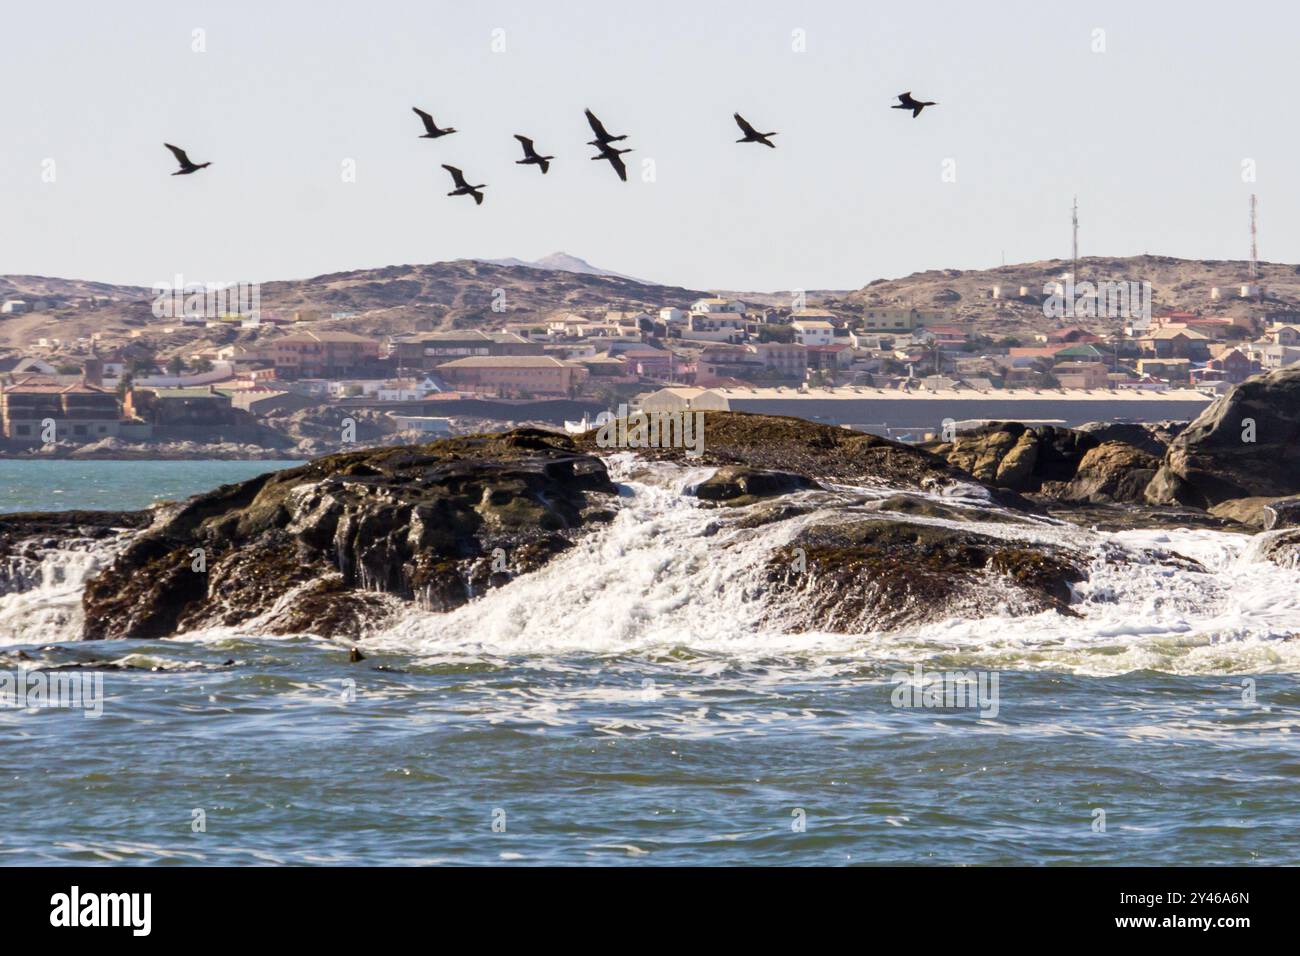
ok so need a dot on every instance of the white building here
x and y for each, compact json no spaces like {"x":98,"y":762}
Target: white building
{"x":714,"y":304}
{"x":398,"y":393}
{"x":1275,"y":356}
{"x":813,"y":332}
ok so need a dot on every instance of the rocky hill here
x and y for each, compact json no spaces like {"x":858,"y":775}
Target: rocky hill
{"x":461,"y":294}
{"x":1176,"y":284}
{"x":440,"y":295}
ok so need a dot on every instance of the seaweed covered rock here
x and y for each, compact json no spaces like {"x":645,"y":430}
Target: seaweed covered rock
{"x":738,"y":485}
{"x":885,"y":574}
{"x":316,"y":547}
{"x":777,"y":443}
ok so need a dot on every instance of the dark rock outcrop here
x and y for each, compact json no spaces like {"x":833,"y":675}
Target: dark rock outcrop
{"x":820,"y":452}
{"x":885,"y":574}
{"x":923,"y":507}
{"x":740,"y":485}
{"x":319,"y":546}
{"x":1017,"y":456}
{"x":1153,"y":438}
{"x":1112,"y":471}
{"x":1244,"y":445}
{"x":337,"y":545}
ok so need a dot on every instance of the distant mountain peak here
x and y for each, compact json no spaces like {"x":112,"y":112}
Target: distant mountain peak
{"x":563,"y":262}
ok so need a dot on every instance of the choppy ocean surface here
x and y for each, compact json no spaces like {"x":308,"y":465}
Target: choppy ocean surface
{"x":627,"y":705}
{"x":115,"y":485}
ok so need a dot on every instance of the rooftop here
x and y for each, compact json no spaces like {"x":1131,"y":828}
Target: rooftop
{"x":851,"y":393}
{"x":313,"y":336}
{"x":1174,"y":333}
{"x":504,"y":361}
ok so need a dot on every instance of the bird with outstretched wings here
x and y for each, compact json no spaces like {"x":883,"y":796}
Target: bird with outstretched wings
{"x":531,"y":156}
{"x":602,"y":135}
{"x":615,"y":160}
{"x":463,"y":188}
{"x":431,"y":130}
{"x":752,"y":135}
{"x":186,"y":165}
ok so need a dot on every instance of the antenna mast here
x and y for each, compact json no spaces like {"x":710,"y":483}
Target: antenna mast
{"x":1074,"y":248}
{"x":1254,"y":251}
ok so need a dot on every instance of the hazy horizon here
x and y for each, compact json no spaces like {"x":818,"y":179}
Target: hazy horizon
{"x":279,"y":100}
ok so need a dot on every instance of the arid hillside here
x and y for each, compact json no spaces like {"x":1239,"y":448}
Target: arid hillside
{"x":461,"y":294}
{"x":1176,"y":284}
{"x":441,"y":295}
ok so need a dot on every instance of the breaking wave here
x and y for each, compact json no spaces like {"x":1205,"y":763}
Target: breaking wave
{"x":670,"y":579}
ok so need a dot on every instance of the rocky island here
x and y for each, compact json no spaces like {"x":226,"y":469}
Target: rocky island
{"x":901,"y":533}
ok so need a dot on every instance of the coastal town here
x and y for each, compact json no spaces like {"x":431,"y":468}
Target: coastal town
{"x":293,"y":382}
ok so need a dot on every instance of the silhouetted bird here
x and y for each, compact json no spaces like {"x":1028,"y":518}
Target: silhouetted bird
{"x":463,"y":188}
{"x":752,"y":135}
{"x":186,"y":166}
{"x":530,"y":155}
{"x":905,"y":102}
{"x":431,"y":130}
{"x":602,"y":135}
{"x":612,"y":154}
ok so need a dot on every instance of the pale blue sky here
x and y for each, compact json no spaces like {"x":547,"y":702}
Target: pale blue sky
{"x":1151,"y":134}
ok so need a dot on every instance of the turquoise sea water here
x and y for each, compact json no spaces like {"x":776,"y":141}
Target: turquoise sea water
{"x":599,"y":713}
{"x":115,"y":485}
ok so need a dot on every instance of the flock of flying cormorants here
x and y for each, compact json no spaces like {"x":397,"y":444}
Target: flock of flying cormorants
{"x":604,"y":142}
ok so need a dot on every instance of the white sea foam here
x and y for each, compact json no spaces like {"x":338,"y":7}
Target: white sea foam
{"x":660,"y":579}
{"x":50,"y":610}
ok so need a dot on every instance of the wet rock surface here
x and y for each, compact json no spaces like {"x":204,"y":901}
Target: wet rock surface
{"x":930,"y":508}
{"x":886,"y":574}
{"x":339,"y":545}
{"x":821,"y":453}
{"x":1105,"y":516}
{"x":739,"y":485}
{"x":1282,"y":547}
{"x":321,"y":546}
